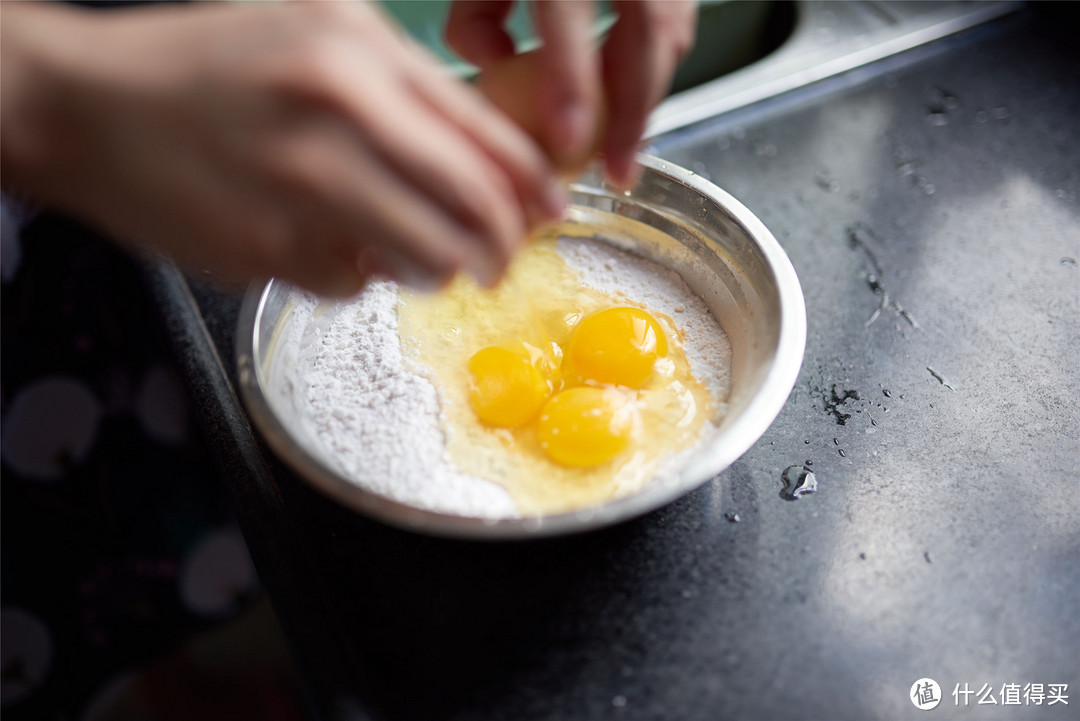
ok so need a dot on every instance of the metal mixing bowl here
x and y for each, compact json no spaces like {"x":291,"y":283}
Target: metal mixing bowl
{"x":673,"y":217}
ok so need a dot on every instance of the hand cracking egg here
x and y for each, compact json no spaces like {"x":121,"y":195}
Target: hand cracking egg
{"x":511,"y":85}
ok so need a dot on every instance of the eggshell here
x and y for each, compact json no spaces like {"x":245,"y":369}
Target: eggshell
{"x":513,"y":86}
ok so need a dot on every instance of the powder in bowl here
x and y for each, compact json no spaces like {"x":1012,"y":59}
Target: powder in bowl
{"x":379,"y":417}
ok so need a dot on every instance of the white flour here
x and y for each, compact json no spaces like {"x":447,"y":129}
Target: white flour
{"x":340,"y":382}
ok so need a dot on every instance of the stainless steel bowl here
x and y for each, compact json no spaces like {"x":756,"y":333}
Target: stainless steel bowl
{"x":673,"y":217}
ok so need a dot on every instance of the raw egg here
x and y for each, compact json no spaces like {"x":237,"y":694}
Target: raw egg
{"x":586,"y":426}
{"x":559,"y":431}
{"x":507,"y":389}
{"x":618,"y":346}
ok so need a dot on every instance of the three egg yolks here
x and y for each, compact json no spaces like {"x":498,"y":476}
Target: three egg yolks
{"x":563,"y":394}
{"x":579,"y":425}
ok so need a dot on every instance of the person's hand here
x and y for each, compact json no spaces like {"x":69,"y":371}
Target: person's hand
{"x":308,"y":141}
{"x":632,"y":71}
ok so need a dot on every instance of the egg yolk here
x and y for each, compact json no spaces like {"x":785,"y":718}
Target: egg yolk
{"x":507,"y":390}
{"x":617,"y":346}
{"x":585,"y":426}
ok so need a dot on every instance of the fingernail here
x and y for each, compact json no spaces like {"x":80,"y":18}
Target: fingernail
{"x":407,"y":273}
{"x":368,"y":263}
{"x":554,"y":200}
{"x":421,"y":282}
{"x":623,"y":169}
{"x":575,"y":129}
{"x":485,"y":271}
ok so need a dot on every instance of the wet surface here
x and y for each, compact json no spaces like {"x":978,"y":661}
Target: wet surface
{"x":798,"y":481}
{"x":944,"y":540}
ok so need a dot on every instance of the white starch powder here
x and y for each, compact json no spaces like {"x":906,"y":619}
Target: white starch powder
{"x":340,"y":382}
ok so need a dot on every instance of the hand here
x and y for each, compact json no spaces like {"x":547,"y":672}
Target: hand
{"x":632,"y":71}
{"x":308,"y":141}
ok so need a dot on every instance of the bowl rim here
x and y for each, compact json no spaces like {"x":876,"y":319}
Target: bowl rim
{"x":755,"y":419}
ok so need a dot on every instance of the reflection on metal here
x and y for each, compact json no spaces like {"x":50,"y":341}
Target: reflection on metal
{"x":829,"y":38}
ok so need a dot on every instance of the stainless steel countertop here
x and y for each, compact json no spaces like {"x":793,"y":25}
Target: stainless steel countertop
{"x":828,"y":38}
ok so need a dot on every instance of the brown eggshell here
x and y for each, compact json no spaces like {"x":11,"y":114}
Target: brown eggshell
{"x":512,"y":85}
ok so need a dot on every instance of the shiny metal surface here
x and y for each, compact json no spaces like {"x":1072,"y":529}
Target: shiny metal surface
{"x":829,"y":38}
{"x":725,"y":254}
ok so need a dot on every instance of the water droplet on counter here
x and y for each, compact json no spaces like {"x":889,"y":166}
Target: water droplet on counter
{"x":937,"y":119}
{"x":842,"y":454}
{"x":1068,"y":262}
{"x":809,"y":463}
{"x":833,"y":401}
{"x":926,"y":555}
{"x":941,"y":96}
{"x":826,"y":183}
{"x":924,"y":184}
{"x":732,"y":517}
{"x":798,"y":481}
{"x":980,"y":116}
{"x":940,"y":378}
{"x":836,"y":441}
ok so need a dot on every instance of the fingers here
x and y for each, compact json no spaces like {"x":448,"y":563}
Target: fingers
{"x":432,"y":157}
{"x":404,"y":172}
{"x":505,"y":144}
{"x":569,"y":89}
{"x":639,"y":59}
{"x":442,"y":139}
{"x":474,"y":30}
{"x":351,"y":215}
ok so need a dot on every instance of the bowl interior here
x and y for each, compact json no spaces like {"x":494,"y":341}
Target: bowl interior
{"x":672,"y":217}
